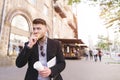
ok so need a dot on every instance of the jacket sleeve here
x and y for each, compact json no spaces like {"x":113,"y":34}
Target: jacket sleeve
{"x":60,"y":64}
{"x":23,"y":56}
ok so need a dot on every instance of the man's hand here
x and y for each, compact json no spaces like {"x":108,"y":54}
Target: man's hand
{"x":45,"y":73}
{"x":33,"y":39}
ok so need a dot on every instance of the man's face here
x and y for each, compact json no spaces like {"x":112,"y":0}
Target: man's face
{"x":39,"y":30}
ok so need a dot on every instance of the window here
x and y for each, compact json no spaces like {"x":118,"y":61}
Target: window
{"x":20,"y":22}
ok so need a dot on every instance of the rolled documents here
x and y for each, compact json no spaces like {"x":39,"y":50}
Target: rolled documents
{"x":38,"y":66}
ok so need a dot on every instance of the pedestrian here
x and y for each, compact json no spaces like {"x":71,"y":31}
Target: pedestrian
{"x":95,"y":52}
{"x":43,"y":49}
{"x":100,"y":54}
{"x":91,"y":54}
{"x":86,"y":53}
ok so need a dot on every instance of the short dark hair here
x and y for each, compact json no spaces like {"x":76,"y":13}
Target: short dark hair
{"x":39,"y":21}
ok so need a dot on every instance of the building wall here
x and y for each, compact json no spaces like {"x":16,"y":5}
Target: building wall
{"x":67,"y":27}
{"x":57,"y":25}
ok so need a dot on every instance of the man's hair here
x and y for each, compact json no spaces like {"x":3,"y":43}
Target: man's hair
{"x":39,"y":21}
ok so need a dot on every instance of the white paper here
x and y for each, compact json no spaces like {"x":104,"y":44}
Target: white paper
{"x":51,"y":62}
{"x":38,"y":66}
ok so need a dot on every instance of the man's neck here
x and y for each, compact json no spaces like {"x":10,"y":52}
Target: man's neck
{"x":42,"y":40}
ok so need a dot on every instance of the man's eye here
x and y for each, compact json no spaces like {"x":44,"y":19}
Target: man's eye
{"x":38,"y":28}
{"x":33,"y":28}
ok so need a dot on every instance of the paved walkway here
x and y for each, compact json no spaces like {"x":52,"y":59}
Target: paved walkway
{"x":108,"y":69}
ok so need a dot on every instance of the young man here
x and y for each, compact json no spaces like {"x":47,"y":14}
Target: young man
{"x":43,"y":49}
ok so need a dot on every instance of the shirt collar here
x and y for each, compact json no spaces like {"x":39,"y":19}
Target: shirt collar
{"x":43,"y":42}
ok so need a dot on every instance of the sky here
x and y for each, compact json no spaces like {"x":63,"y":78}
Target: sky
{"x":89,"y":24}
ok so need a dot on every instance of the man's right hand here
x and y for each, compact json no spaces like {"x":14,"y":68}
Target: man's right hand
{"x":33,"y":39}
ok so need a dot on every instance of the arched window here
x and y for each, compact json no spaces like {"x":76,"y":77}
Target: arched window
{"x":19,"y":34}
{"x":20,"y":22}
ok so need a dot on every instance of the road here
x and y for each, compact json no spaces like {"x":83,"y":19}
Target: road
{"x":90,"y":70}
{"x":75,"y":70}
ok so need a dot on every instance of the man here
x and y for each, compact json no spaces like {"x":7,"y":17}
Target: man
{"x":95,"y":54}
{"x":43,"y":49}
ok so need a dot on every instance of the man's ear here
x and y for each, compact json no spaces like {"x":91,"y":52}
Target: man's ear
{"x":47,"y":31}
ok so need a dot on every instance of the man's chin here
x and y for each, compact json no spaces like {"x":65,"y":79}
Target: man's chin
{"x":41,"y":38}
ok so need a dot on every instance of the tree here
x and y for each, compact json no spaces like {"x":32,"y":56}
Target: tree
{"x":110,"y":10}
{"x":70,"y":2}
{"x":103,"y":42}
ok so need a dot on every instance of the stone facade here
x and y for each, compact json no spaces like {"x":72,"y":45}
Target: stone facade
{"x":17,"y":15}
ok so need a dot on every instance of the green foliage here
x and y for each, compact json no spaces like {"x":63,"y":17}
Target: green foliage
{"x":70,"y":2}
{"x":103,"y":42}
{"x":110,"y":11}
{"x":103,"y":45}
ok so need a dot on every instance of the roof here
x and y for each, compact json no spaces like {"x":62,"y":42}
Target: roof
{"x":72,"y":41}
{"x":78,"y":41}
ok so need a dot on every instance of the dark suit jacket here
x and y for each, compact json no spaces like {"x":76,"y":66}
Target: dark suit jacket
{"x":30,"y":56}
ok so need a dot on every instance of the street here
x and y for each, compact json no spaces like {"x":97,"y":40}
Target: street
{"x":90,"y":70}
{"x":75,"y":70}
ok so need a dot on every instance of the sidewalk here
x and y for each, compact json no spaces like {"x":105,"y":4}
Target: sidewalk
{"x":6,"y":61}
{"x":112,"y":59}
{"x":107,"y":69}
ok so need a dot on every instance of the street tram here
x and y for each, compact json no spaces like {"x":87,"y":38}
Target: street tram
{"x":72,"y":48}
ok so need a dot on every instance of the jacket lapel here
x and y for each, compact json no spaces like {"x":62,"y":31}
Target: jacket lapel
{"x":51,"y":49}
{"x":36,"y":51}
{"x":48,"y":49}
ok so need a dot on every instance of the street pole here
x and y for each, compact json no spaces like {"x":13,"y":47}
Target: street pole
{"x":108,"y":42}
{"x":2,"y":17}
